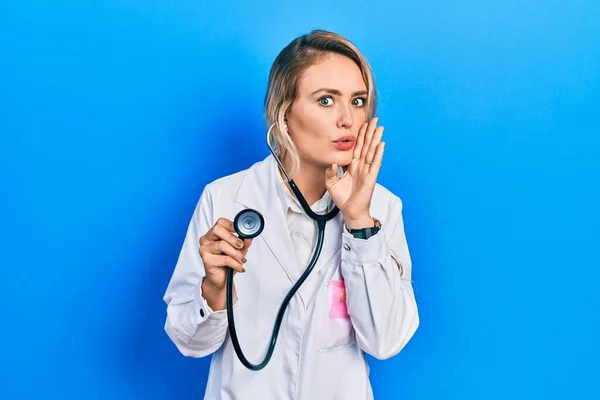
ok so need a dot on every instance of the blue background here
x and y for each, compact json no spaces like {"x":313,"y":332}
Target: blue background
{"x":115,"y":114}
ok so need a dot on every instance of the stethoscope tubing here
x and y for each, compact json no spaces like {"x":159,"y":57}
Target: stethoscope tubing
{"x":280,"y":313}
{"x":321,"y":221}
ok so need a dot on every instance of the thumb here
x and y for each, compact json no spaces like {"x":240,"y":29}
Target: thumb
{"x":331,"y":175}
{"x":331,"y":171}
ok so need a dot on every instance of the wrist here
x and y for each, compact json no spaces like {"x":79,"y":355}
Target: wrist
{"x":365,"y":221}
{"x":214,"y":295}
{"x":209,"y":286}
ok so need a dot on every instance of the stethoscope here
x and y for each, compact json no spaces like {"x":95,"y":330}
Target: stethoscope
{"x":249,"y":224}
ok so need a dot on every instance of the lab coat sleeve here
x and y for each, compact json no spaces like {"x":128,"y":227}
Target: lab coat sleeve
{"x":379,"y":293}
{"x":191,"y":324}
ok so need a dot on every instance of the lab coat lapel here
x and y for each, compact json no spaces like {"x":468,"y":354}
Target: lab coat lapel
{"x":258,"y":191}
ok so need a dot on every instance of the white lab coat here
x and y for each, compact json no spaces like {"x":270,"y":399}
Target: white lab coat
{"x":319,"y":352}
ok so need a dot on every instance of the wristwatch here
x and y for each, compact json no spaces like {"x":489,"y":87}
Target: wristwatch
{"x":365,"y":233}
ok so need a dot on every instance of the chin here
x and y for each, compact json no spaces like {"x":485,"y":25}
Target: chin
{"x":343,"y":160}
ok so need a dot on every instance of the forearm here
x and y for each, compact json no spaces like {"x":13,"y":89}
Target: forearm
{"x":379,"y":293}
{"x":381,"y":305}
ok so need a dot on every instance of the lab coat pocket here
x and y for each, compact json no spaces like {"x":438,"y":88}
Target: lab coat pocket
{"x":335,"y":329}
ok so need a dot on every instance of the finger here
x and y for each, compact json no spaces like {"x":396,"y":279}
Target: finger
{"x":377,"y":160}
{"x":204,"y":239}
{"x":222,"y":260}
{"x":331,"y":175}
{"x":374,"y":144}
{"x":368,"y":137}
{"x":222,"y":223}
{"x":221,"y":232}
{"x":331,"y":171}
{"x":247,"y":244}
{"x":222,"y":247}
{"x":227,"y":224}
{"x":210,"y":236}
{"x":360,"y":140}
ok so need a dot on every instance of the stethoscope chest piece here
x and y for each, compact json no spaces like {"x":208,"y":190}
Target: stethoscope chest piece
{"x":248,"y":223}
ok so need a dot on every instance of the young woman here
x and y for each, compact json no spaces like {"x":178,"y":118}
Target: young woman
{"x":358,"y":298}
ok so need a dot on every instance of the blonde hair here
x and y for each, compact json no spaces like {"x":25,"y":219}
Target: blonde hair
{"x":282,"y":89}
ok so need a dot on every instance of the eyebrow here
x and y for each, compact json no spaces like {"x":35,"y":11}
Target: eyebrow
{"x":337,"y":92}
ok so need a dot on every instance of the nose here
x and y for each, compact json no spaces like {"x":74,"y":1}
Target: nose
{"x":345,"y":118}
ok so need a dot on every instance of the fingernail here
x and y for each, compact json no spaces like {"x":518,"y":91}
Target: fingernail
{"x":243,"y":269}
{"x":240,"y":244}
{"x":244,"y":260}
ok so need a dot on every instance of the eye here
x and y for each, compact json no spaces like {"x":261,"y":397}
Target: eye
{"x":359,"y":102}
{"x":326,"y":101}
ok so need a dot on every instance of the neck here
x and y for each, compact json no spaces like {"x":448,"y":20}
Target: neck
{"x":310,"y":179}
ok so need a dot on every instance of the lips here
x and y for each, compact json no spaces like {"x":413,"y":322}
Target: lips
{"x":345,"y":139}
{"x":345,"y":142}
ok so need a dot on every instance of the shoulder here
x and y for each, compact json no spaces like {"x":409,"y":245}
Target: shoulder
{"x":225,"y":185}
{"x":228,"y":185}
{"x":223,"y":194}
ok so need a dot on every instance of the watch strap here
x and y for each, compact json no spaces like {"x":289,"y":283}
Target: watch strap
{"x":365,"y":233}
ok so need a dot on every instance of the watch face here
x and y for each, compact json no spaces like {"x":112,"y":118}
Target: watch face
{"x":358,"y":234}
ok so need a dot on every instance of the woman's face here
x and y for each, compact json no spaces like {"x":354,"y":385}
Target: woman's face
{"x":329,"y":109}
